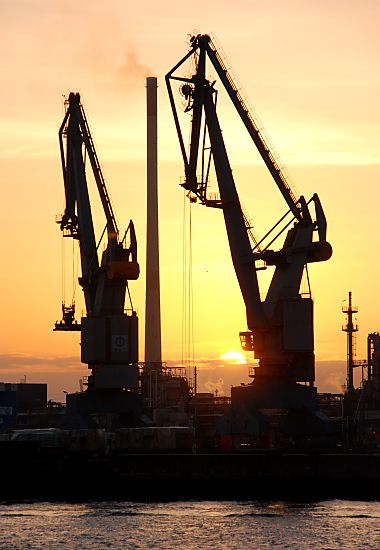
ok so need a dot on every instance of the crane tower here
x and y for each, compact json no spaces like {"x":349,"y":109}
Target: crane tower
{"x":109,"y":332}
{"x":280,"y":325}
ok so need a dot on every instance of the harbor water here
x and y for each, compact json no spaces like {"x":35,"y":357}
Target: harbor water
{"x":329,"y":525}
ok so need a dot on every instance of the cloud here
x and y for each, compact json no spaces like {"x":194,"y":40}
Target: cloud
{"x":132,"y":71}
{"x":215,"y":374}
{"x":216,"y":387}
{"x":109,"y":58}
{"x":63,"y":372}
{"x":330,"y":376}
{"x":16,"y":362}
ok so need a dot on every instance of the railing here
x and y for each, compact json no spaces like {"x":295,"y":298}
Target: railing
{"x":250,"y":230}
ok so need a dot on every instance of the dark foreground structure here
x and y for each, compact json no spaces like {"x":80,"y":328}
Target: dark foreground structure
{"x":33,"y":472}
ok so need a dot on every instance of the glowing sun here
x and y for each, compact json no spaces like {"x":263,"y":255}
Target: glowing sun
{"x":234,"y":358}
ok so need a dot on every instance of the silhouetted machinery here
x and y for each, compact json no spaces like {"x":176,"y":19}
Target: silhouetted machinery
{"x":280,"y":326}
{"x":109,"y":333}
{"x":372,"y":386}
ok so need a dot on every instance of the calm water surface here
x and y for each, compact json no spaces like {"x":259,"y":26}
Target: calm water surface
{"x":202,"y":525}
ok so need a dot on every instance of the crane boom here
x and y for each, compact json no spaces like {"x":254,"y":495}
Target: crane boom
{"x":234,"y":220}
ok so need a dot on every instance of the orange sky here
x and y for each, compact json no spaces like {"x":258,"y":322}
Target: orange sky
{"x":310,"y":70}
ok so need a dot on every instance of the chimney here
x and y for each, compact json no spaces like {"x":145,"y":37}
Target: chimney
{"x":152,"y":296}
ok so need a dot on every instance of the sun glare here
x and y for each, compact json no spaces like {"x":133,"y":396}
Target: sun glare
{"x":234,"y":358}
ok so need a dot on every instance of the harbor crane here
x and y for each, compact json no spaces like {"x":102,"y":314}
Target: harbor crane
{"x":109,"y":333}
{"x":280,"y":326}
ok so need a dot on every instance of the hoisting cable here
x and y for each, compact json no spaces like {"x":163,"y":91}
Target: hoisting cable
{"x":129,"y":295}
{"x":63,"y":278}
{"x":190,"y":299}
{"x":184,"y":269}
{"x":308,"y":280}
{"x":73,"y":273}
{"x":188,"y":358}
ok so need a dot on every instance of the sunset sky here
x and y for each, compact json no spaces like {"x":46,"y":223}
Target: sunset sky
{"x":310,"y":70}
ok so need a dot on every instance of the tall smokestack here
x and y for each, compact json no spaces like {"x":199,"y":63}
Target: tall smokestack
{"x":152,"y":296}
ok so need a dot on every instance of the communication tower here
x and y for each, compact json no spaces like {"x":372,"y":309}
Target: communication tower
{"x":351,"y":327}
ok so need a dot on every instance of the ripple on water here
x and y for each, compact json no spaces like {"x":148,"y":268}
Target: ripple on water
{"x":226,"y":525}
